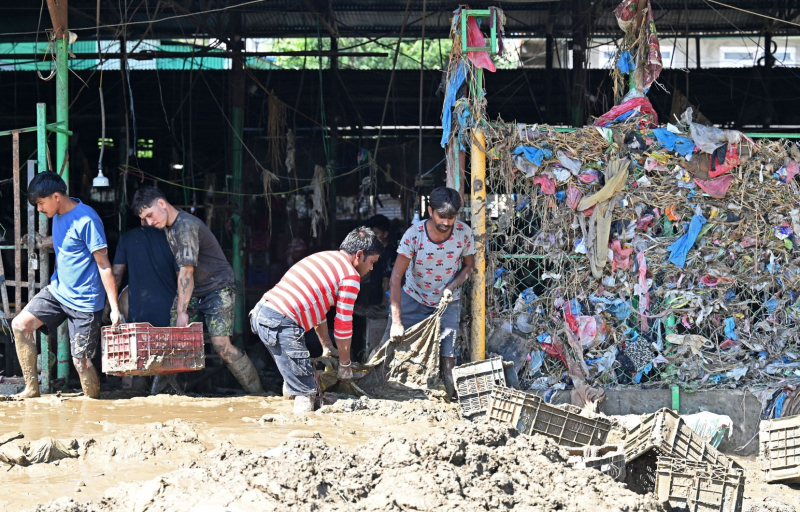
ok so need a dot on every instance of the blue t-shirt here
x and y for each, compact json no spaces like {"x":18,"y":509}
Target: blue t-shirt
{"x":76,"y":282}
{"x":152,"y":274}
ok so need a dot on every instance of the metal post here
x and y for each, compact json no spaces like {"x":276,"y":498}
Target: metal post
{"x":17,"y":226}
{"x":478,"y":214}
{"x":237,"y":120}
{"x":44,"y":263}
{"x":62,"y":167}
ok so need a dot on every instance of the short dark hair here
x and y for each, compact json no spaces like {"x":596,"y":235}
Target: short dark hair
{"x":362,"y":239}
{"x":379,"y":221}
{"x":45,"y":184}
{"x":445,"y":201}
{"x":146,"y":197}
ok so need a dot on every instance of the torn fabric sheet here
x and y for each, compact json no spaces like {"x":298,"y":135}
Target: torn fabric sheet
{"x":619,"y":168}
{"x":454,"y":83}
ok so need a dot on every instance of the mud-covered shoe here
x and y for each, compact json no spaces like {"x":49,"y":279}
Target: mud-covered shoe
{"x":304,"y":404}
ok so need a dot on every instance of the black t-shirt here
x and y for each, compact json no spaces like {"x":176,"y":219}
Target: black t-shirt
{"x":193,"y":244}
{"x":152,"y":280}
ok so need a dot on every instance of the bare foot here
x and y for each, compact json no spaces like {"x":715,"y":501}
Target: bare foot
{"x":27,"y":393}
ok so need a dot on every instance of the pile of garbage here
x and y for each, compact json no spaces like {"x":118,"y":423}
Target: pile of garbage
{"x":659,"y":255}
{"x":656,"y":254}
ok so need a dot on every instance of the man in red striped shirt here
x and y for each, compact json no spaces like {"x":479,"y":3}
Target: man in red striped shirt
{"x":300,"y":302}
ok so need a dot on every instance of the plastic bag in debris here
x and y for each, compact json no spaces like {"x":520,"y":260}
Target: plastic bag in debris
{"x":454,"y":83}
{"x":523,"y":165}
{"x":709,"y":426}
{"x":573,"y":165}
{"x":682,"y":145}
{"x":640,"y":105}
{"x":573,"y":197}
{"x":625,"y":63}
{"x":547,"y":184}
{"x":709,"y":138}
{"x":44,"y":450}
{"x":716,"y":188}
{"x":475,"y":40}
{"x":680,"y":248}
{"x":533,"y":154}
{"x":787,"y":173}
{"x":619,"y":169}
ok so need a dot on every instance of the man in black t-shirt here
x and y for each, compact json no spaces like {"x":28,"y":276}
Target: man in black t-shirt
{"x":152,"y":275}
{"x":205,"y":280}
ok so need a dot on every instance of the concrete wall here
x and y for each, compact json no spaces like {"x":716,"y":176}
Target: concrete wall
{"x":743,"y":408}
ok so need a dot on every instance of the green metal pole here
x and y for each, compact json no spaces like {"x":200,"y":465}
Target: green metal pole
{"x":41,"y":152}
{"x":62,"y":167}
{"x":237,"y":120}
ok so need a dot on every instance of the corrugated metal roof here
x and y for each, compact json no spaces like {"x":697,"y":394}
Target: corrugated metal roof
{"x":359,"y":18}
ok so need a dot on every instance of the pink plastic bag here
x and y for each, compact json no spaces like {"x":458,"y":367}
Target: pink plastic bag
{"x":547,"y":184}
{"x":475,"y":39}
{"x":573,"y":196}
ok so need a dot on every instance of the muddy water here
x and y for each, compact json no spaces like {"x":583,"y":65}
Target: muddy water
{"x":215,"y":420}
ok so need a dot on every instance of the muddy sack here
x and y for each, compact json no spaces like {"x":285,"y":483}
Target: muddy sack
{"x":44,"y":450}
{"x":414,"y":362}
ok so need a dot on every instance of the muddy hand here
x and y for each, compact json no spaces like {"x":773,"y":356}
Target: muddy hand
{"x":182,"y":320}
{"x":330,"y":351}
{"x":397,"y":332}
{"x":345,"y":372}
{"x":116,"y":317}
{"x":447,"y":297}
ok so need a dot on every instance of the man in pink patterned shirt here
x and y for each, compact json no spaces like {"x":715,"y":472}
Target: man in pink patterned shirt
{"x":436,"y":255}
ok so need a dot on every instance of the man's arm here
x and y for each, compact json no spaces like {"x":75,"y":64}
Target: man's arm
{"x":185,"y":289}
{"x":119,"y":273}
{"x":325,"y":339}
{"x":107,"y":276}
{"x":463,"y":274}
{"x":395,"y":296}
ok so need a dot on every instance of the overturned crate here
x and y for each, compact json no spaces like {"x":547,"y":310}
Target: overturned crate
{"x":699,"y":486}
{"x":608,"y":459}
{"x":532,"y":415}
{"x":474,"y":384}
{"x":666,"y":433}
{"x":779,"y":449}
{"x":141,"y":349}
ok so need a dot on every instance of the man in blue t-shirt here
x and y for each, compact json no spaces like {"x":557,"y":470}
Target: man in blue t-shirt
{"x":75,"y":293}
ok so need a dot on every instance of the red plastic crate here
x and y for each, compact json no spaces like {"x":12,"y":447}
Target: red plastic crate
{"x":141,"y":349}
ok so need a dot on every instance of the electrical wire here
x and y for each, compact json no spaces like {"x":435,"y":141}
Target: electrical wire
{"x":754,"y":13}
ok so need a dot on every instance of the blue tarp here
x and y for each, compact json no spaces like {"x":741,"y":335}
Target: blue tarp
{"x":680,"y":247}
{"x":672,"y":142}
{"x":453,"y":85}
{"x":532,"y":154}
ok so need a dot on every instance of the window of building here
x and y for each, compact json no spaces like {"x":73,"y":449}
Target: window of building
{"x":144,"y":148}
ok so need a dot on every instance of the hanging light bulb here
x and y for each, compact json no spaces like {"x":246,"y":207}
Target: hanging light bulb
{"x":100,"y":180}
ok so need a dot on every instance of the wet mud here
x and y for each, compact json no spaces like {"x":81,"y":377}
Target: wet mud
{"x":171,"y":452}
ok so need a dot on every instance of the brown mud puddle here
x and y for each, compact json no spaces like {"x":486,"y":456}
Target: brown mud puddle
{"x":249,"y":422}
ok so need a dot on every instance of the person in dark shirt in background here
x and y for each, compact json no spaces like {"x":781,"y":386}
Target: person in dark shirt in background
{"x":153,"y":275}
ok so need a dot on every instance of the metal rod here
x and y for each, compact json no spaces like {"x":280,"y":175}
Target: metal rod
{"x":62,"y":131}
{"x":62,"y":167}
{"x":17,"y":223}
{"x":237,"y":122}
{"x":149,"y":55}
{"x":32,"y":261}
{"x":44,"y":263}
{"x":478,"y":214}
{"x":421,"y":81}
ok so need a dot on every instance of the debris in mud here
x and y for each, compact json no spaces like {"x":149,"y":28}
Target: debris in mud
{"x":770,"y":505}
{"x":41,"y":451}
{"x":465,"y":467}
{"x":411,"y":410}
{"x":158,"y":439}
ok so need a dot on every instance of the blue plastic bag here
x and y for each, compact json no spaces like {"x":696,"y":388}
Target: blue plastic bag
{"x":682,"y":145}
{"x":532,"y":154}
{"x":680,"y":247}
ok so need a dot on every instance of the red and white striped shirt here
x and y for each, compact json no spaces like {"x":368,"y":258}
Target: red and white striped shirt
{"x":312,"y":285}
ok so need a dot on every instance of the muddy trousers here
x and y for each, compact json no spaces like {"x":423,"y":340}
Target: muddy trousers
{"x":285,"y":340}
